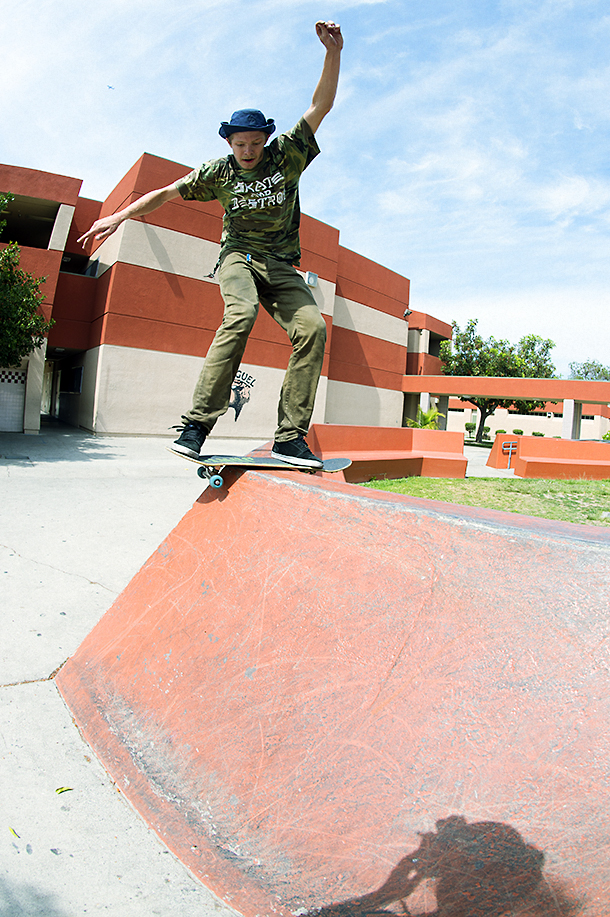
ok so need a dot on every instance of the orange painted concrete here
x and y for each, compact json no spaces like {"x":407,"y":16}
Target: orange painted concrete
{"x":73,"y":311}
{"x":307,"y":675}
{"x":85,"y":215}
{"x":497,"y":459}
{"x":359,"y":356}
{"x":425,"y":364}
{"x":421,"y":320}
{"x":352,"y":373}
{"x":367,"y":282}
{"x":390,"y":452}
{"x":47,"y":186}
{"x":506,"y":387}
{"x":319,"y":242}
{"x":143,"y":308}
{"x":320,"y":248}
{"x":540,"y":457}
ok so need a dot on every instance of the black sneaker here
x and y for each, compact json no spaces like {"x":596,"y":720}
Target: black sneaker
{"x":191,"y":439}
{"x":296,"y":452}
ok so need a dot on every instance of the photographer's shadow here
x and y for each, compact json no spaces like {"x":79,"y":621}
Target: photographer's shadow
{"x":483,"y":869}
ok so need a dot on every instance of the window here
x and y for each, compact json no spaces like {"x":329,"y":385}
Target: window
{"x":29,"y":221}
{"x":72,"y":380}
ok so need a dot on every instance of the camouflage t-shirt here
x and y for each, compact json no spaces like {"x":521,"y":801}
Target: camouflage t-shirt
{"x":262,"y":211}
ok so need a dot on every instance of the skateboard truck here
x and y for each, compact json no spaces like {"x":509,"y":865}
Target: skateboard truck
{"x":211,"y":467}
{"x":211,"y":475}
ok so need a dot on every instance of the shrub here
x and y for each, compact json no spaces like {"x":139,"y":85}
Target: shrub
{"x":518,"y":432}
{"x":500,"y":431}
{"x":536,"y":433}
{"x":470,"y":427}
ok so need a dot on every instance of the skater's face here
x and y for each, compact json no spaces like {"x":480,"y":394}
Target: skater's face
{"x":248,"y":147}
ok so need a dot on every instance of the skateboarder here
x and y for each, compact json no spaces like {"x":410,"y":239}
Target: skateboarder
{"x":257,"y":184}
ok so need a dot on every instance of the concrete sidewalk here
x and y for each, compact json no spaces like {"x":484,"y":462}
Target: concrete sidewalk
{"x":477,"y":464}
{"x":80,"y":515}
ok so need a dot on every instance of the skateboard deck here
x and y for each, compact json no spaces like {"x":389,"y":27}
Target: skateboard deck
{"x":212,"y":466}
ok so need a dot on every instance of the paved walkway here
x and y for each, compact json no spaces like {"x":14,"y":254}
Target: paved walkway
{"x":477,"y":457}
{"x":80,"y":515}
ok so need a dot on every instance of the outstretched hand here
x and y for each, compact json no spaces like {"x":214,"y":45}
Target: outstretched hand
{"x":101,"y":229}
{"x":330,"y":35}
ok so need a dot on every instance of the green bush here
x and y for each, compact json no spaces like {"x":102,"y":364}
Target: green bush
{"x":518,"y":432}
{"x":536,"y":433}
{"x":500,"y":431}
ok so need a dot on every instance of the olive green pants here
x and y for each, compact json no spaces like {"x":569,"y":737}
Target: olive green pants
{"x":246,"y":280}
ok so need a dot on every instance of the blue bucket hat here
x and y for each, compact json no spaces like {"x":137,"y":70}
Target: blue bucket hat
{"x":246,"y":119}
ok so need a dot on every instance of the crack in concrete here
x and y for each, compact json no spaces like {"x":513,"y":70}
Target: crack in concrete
{"x":59,"y":570}
{"x":36,"y":681}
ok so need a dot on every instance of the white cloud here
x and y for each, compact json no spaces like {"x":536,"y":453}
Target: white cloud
{"x":572,"y":196}
{"x":467,"y":148}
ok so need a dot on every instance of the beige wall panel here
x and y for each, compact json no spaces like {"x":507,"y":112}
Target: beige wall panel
{"x":159,"y":249}
{"x":324,"y":295}
{"x":33,"y":390}
{"x":502,"y":420}
{"x":178,"y":253}
{"x":146,"y":392}
{"x":365,"y":320}
{"x":418,"y":340}
{"x":87,"y":398}
{"x":363,"y":405}
{"x":258,"y":417}
{"x":61,"y":227}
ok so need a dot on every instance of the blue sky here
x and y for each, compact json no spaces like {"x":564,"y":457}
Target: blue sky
{"x":467,"y":150}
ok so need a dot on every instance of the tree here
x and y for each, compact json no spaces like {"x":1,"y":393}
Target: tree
{"x":22,"y":326}
{"x":591,"y":370}
{"x":426,"y":420}
{"x":468,"y":354}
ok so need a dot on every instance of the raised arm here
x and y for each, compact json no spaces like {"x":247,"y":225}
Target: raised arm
{"x":103,"y":228}
{"x":329,"y":34}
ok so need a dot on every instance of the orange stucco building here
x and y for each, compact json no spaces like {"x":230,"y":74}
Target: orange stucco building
{"x":135,"y":316}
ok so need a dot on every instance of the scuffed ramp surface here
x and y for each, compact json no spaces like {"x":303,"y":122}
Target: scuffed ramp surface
{"x":307,"y":674}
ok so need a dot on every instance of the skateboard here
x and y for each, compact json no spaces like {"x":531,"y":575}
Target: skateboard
{"x":211,"y":467}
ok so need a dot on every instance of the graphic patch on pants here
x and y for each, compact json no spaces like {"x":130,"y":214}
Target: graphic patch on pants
{"x":241,"y":391}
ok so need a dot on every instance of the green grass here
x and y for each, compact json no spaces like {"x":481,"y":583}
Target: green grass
{"x":583,"y":502}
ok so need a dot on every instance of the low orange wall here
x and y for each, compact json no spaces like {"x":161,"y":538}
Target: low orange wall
{"x":537,"y":457}
{"x":497,"y":459}
{"x":540,"y":447}
{"x":391,"y":452}
{"x":341,"y":439}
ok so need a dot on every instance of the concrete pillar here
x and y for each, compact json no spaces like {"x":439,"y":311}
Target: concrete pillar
{"x":33,"y":390}
{"x":443,"y":406}
{"x":424,"y":341}
{"x":61,"y":228}
{"x":410,"y":408}
{"x":424,"y":401}
{"x":572,"y":416}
